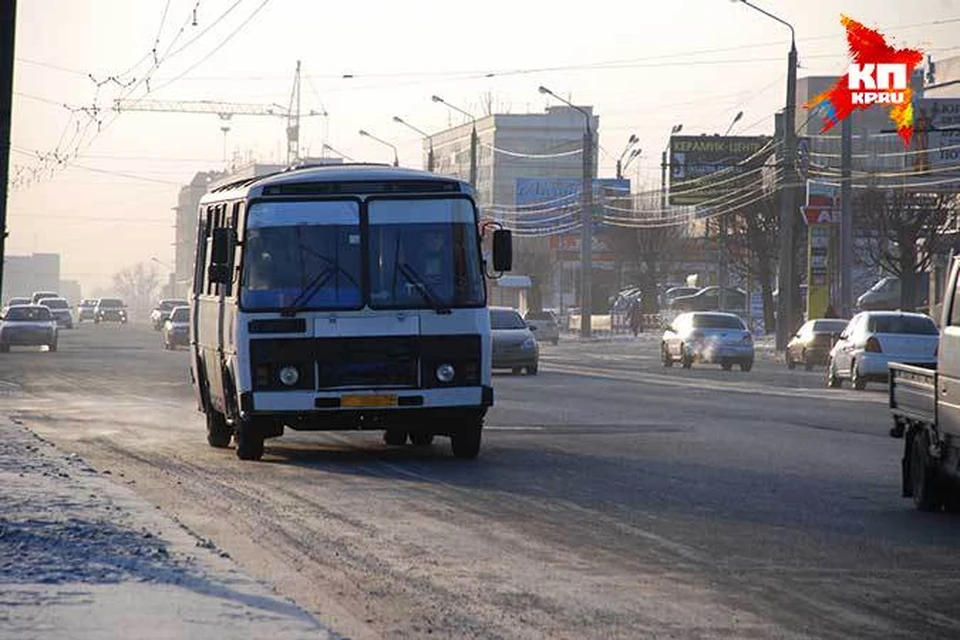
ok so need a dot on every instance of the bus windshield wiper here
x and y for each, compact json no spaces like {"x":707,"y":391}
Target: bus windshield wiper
{"x":308,"y":292}
{"x":422,"y":287}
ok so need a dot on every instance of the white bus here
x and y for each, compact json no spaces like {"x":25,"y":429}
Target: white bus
{"x":340,"y":298}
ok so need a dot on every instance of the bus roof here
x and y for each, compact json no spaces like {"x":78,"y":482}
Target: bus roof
{"x":340,"y":179}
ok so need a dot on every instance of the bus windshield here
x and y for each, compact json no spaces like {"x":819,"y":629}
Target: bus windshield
{"x":424,"y":253}
{"x":302,"y":253}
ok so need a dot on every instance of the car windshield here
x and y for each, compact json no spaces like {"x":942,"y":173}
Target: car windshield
{"x":917,"y":325}
{"x":506,"y":319}
{"x":424,"y":253}
{"x":111,"y":303}
{"x":303,"y":253}
{"x":27,"y":314}
{"x":180,"y":314}
{"x":55,"y":303}
{"x":717,"y":322}
{"x":829,"y":326}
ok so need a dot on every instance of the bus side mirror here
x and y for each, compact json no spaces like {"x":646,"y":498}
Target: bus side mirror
{"x":221,"y":252}
{"x":502,"y":250}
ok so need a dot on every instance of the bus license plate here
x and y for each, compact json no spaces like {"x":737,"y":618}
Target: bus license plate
{"x":368,"y":400}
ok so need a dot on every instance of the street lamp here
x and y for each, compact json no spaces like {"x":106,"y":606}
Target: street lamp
{"x":426,"y":135}
{"x":736,"y":119}
{"x":633,"y":155}
{"x":396,"y":160}
{"x":632,"y":141}
{"x":474,"y":140}
{"x":786,"y":274}
{"x":339,"y":153}
{"x":586,"y":219}
{"x":165,"y":265}
{"x":677,"y":128}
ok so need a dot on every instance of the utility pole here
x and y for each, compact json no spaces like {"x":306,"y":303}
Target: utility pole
{"x":722,"y":276}
{"x":586,"y":236}
{"x":293,"y":120}
{"x":663,"y":183}
{"x":8,"y":24}
{"x":789,"y":204}
{"x":846,"y":219}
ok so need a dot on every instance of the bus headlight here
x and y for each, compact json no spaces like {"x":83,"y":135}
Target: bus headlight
{"x":446,"y":373}
{"x":289,"y":375}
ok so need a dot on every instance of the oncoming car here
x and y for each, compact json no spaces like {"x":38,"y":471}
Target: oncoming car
{"x":176,"y":328}
{"x":60,"y":309}
{"x":514,"y":346}
{"x":110,"y":310}
{"x":28,"y":325}
{"x":86,"y":310}
{"x":709,"y":337}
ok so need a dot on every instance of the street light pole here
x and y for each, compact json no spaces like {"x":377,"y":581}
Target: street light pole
{"x":396,"y":159}
{"x":677,"y":128}
{"x":474,"y":139}
{"x":426,"y":135}
{"x":632,"y":141}
{"x":786,"y":274}
{"x":586,"y":221}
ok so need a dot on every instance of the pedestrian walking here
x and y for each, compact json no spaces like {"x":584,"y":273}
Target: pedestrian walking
{"x":634,"y":317}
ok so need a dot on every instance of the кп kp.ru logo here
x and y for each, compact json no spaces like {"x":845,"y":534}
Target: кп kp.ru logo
{"x":872,"y":83}
{"x":880,"y":75}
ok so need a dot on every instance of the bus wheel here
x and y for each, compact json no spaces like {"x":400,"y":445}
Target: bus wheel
{"x":395,"y":438}
{"x":465,"y":442}
{"x":421,"y":439}
{"x":218,"y":431}
{"x":249,"y":441}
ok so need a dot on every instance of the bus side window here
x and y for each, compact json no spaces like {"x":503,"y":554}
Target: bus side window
{"x":200,"y":266}
{"x":954,"y":305}
{"x":233,"y":223}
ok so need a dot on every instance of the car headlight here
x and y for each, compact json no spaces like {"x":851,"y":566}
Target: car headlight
{"x":289,"y":375}
{"x":529,"y":343}
{"x":446,"y":373}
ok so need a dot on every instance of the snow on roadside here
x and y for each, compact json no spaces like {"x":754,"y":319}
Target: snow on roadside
{"x":82,"y":557}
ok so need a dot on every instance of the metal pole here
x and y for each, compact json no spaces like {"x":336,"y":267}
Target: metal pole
{"x":8,"y":24}
{"x":619,"y":170}
{"x":474,"y":140}
{"x":586,"y":236}
{"x":787,"y":280}
{"x":722,"y":266}
{"x":663,"y":183}
{"x":846,"y":219}
{"x":430,"y":160}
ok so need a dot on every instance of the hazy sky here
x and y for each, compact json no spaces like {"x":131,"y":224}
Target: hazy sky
{"x":644,"y":66}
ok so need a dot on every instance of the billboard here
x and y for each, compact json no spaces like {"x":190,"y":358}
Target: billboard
{"x":555,"y":202}
{"x":704,"y":168}
{"x":935,"y":147}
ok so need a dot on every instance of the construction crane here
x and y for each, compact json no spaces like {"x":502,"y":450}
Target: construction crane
{"x":226,"y":110}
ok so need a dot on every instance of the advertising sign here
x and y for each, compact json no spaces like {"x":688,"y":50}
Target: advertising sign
{"x":935,"y":145}
{"x":705,"y":167}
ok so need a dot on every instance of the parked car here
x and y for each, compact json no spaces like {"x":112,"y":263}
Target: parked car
{"x":514,"y":346}
{"x":708,"y":299}
{"x":28,"y":325}
{"x":545,"y":325}
{"x":176,"y":328}
{"x":162,"y":311}
{"x":885,"y":294}
{"x":710,"y":337}
{"x":40,"y":295}
{"x":873,"y":339}
{"x":60,"y":309}
{"x":110,"y":310}
{"x":812,"y":343}
{"x":676,"y":292}
{"x":86,"y":310}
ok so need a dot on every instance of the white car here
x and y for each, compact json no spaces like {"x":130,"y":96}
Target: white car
{"x":28,"y":325}
{"x":711,"y":337}
{"x":545,"y":325}
{"x":176,"y":328}
{"x":874,"y":339}
{"x":60,"y":309}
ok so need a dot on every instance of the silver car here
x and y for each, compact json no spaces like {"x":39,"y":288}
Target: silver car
{"x":28,"y":325}
{"x":545,"y":325}
{"x":514,"y":346}
{"x":873,"y":339}
{"x":176,"y":328}
{"x":711,"y":337}
{"x":60,"y":309}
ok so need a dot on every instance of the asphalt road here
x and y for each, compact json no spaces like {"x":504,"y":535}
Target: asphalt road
{"x":613,"y":498}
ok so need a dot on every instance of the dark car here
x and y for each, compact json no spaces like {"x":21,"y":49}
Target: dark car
{"x":708,"y":299}
{"x":28,"y":325}
{"x":514,"y":346}
{"x":110,"y":310}
{"x":176,"y":328}
{"x":162,"y":311}
{"x":812,"y":343}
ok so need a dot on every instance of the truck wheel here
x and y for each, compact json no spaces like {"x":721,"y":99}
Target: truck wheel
{"x":218,"y":431}
{"x":533,"y":369}
{"x":249,"y":441}
{"x":52,"y":346}
{"x":421,"y":439}
{"x":726,"y":366}
{"x":746,"y":366}
{"x":395,"y":438}
{"x":923,"y":475}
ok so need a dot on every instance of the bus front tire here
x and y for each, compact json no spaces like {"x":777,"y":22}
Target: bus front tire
{"x":466,"y":442}
{"x":249,"y":441}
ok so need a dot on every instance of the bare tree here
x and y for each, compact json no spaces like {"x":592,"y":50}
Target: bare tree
{"x":137,"y":285}
{"x":752,"y":242}
{"x":908,"y":229}
{"x":646,"y":254}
